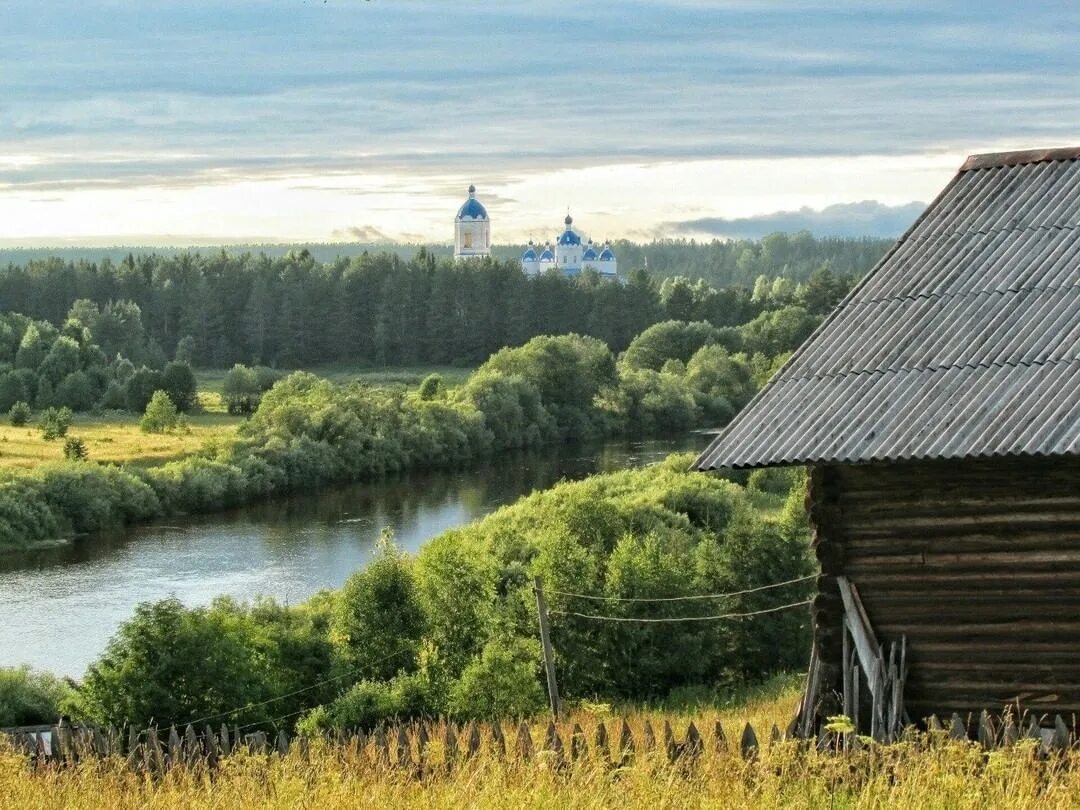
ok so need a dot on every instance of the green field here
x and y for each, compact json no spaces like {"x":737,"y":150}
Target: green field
{"x":113,"y":438}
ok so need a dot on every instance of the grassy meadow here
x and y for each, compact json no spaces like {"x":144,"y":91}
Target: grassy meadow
{"x":115,"y":437}
{"x":927,"y":773}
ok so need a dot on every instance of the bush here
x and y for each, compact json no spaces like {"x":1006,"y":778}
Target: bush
{"x":74,"y":449}
{"x":431,"y":386}
{"x":378,"y":623}
{"x":178,"y":381}
{"x":140,"y":387}
{"x":54,"y":423}
{"x":502,"y":682}
{"x":160,"y":414}
{"x":29,"y":698}
{"x":19,"y":414}
{"x":240,"y":389}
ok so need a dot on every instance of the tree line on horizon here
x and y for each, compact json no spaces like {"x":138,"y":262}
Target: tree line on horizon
{"x":290,"y":311}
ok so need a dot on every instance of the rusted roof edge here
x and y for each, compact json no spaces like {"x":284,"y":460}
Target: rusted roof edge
{"x":1019,"y":158}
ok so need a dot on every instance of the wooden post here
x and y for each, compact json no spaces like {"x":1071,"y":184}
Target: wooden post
{"x":545,"y":641}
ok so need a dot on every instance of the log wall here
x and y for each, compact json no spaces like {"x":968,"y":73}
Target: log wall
{"x":977,"y":562}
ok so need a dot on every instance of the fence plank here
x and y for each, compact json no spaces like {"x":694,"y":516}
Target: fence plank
{"x":748,"y":745}
{"x":525,"y":749}
{"x":719,"y":738}
{"x":579,"y":749}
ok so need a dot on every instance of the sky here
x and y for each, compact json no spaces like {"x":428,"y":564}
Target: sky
{"x":210,"y":122}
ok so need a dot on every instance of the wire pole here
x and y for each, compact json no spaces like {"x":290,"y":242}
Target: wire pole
{"x":545,"y":642}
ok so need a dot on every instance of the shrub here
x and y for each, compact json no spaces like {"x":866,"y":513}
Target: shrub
{"x":431,"y":386}
{"x":378,"y":622}
{"x":503,"y":681}
{"x":240,"y":389}
{"x":54,"y":423}
{"x":74,"y":449}
{"x":140,"y":387}
{"x":29,"y":698}
{"x":19,"y":414}
{"x":160,"y":414}
{"x":178,"y":381}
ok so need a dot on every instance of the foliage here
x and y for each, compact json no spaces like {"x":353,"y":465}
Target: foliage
{"x":502,"y":682}
{"x":215,"y":309}
{"x":30,"y":698}
{"x":178,"y":381}
{"x":241,"y":390}
{"x":75,"y":449}
{"x":54,"y":423}
{"x":431,"y":387}
{"x":160,"y":414}
{"x":19,"y":414}
{"x":377,"y":622}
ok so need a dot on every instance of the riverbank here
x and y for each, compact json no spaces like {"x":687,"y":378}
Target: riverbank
{"x":286,"y":548}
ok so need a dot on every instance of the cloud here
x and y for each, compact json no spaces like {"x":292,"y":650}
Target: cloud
{"x":865,"y":218}
{"x":367,"y":234}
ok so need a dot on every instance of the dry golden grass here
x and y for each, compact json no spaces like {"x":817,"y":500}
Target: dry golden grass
{"x":941,"y":774}
{"x":113,"y":438}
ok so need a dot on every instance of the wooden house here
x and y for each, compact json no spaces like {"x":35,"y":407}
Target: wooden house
{"x":938,"y":410}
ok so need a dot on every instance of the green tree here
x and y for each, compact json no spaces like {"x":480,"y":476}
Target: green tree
{"x":168,"y":664}
{"x":178,"y":381}
{"x":378,"y":621}
{"x":160,"y":415}
{"x":54,"y":423}
{"x":240,"y":389}
{"x":19,"y":414}
{"x":140,"y":387}
{"x":29,"y":698}
{"x":75,"y":449}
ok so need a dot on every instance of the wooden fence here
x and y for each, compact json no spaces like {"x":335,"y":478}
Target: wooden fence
{"x":422,"y":748}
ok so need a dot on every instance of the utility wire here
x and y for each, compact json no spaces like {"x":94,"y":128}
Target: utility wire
{"x":315,"y":685}
{"x":682,"y":618}
{"x":679,"y":598}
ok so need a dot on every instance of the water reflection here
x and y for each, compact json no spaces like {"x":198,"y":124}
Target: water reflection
{"x":59,"y":606}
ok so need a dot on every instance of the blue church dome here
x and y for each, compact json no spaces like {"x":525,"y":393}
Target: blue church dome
{"x":569,"y":237}
{"x":547,"y":255}
{"x":607,"y":255}
{"x":472,"y":209}
{"x":529,"y":255}
{"x":589,"y":255}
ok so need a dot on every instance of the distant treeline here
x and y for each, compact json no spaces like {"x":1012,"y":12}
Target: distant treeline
{"x":380,"y":309}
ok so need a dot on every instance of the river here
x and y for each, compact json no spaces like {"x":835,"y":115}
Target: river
{"x":60,"y":606}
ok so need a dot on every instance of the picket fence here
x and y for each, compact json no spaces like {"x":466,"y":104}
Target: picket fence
{"x":410,"y":746}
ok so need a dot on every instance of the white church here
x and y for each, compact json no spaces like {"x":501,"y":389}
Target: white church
{"x":570,"y":255}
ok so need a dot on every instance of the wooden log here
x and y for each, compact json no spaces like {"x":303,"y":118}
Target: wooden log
{"x":579,"y":748}
{"x":450,"y":743}
{"x":1060,"y":739}
{"x":671,"y":748}
{"x":498,"y":740}
{"x":472,"y":740}
{"x":191,"y":747}
{"x":155,"y":757}
{"x":748,"y":744}
{"x":601,"y":744}
{"x":176,"y":750}
{"x":648,"y":738}
{"x":553,"y":744}
{"x":525,"y":749}
{"x":957,"y":729}
{"x":719,"y":739}
{"x":402,"y":748}
{"x":1010,"y":734}
{"x":987,"y":735}
{"x":694,"y":746}
{"x":626,"y":743}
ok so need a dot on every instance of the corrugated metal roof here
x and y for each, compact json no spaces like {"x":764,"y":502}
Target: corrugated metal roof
{"x":964,"y":341}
